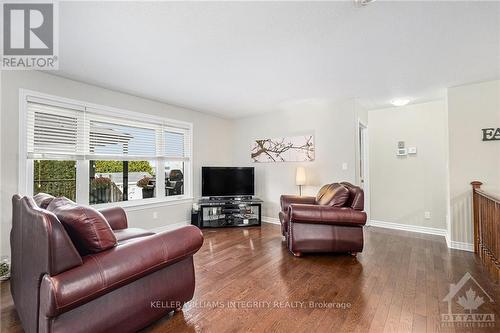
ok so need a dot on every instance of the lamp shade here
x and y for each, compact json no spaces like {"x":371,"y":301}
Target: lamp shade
{"x":300,"y":176}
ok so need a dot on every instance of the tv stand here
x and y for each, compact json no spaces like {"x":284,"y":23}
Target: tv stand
{"x":228,"y":212}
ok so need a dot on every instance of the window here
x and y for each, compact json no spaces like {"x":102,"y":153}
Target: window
{"x":97,"y":155}
{"x":175,"y":147}
{"x":115,"y":181}
{"x":174,"y":178}
{"x":55,"y":177}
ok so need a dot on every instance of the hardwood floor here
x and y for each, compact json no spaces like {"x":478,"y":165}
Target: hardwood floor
{"x":248,"y":281}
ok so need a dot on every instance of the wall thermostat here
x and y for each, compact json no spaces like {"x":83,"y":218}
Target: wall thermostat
{"x":401,"y":152}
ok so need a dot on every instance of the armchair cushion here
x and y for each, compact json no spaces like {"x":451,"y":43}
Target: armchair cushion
{"x":87,"y":228}
{"x":356,"y":196}
{"x":335,"y":195}
{"x":326,"y":215}
{"x":106,"y":271}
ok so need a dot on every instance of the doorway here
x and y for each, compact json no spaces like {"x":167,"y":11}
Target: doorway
{"x":363,"y":165}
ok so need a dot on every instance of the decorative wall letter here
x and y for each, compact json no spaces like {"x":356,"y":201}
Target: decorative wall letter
{"x":491,"y":134}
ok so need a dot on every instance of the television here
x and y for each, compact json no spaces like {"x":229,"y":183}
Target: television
{"x":227,"y":181}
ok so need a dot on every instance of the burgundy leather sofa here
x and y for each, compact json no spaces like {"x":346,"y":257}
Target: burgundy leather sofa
{"x":141,"y":278}
{"x":330,"y":222}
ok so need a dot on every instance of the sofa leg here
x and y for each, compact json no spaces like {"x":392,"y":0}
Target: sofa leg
{"x":297,"y":254}
{"x":354,"y":254}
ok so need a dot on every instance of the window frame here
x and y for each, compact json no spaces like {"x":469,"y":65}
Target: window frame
{"x":26,"y":165}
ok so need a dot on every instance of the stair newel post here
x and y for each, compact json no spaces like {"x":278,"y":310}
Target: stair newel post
{"x":476,"y":185}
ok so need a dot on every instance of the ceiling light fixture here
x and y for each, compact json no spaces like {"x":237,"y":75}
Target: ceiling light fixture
{"x":362,"y":3}
{"x":400,"y":101}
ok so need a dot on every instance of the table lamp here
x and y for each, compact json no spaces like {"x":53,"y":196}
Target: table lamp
{"x":300,"y":178}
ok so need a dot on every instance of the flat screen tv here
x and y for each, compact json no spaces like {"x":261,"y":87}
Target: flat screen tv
{"x":227,"y":181}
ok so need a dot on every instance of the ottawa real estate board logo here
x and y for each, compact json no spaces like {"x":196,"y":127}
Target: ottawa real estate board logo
{"x":30,"y":36}
{"x":467,"y":305}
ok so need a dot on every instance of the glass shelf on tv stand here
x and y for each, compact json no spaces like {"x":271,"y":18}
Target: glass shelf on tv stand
{"x":229,"y":213}
{"x":231,"y":222}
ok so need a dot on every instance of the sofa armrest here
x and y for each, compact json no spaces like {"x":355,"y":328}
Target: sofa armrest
{"x":111,"y":269}
{"x":116,"y":217}
{"x":317,"y":214}
{"x":287,"y":200}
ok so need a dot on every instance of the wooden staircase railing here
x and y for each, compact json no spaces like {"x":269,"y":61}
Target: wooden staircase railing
{"x":486,"y":216}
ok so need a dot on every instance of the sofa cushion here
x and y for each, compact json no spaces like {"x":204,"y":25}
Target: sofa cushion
{"x":335,"y":195}
{"x":130,"y":233}
{"x":87,"y":228}
{"x":42,"y":200}
{"x":116,"y":217}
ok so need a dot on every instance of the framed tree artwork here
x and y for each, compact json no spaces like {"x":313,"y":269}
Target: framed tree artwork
{"x":287,"y":149}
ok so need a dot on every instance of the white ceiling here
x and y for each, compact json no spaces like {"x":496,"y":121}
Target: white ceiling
{"x":239,"y":58}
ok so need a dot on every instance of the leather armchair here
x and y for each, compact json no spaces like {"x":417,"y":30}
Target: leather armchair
{"x":122,"y":289}
{"x":330,"y":222}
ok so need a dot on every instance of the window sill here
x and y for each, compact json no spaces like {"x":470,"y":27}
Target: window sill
{"x":146,"y":203}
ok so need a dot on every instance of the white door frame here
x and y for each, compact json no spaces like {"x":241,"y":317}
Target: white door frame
{"x":362,"y":152}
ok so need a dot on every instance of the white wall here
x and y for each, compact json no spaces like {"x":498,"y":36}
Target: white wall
{"x":2,"y":241}
{"x":471,"y":108}
{"x":334,"y":130}
{"x":403,"y":188}
{"x":418,"y":181}
{"x":211,"y":139}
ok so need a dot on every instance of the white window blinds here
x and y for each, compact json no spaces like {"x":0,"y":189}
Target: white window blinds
{"x":53,"y":131}
{"x":60,"y":131}
{"x":120,"y":140}
{"x":176,"y":143}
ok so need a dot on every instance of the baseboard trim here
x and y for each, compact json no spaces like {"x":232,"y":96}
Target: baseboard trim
{"x":170,"y":226}
{"x":425,"y":230}
{"x":407,"y":227}
{"x":272,"y":220}
{"x":447,"y":237}
{"x":461,"y":246}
